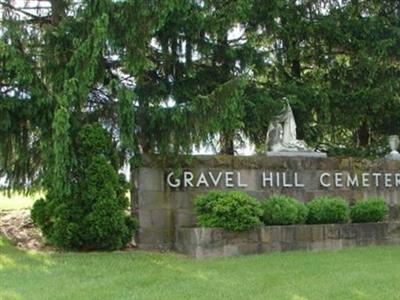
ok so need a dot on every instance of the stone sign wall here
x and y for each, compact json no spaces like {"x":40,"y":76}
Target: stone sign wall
{"x":209,"y":242}
{"x":165,"y":203}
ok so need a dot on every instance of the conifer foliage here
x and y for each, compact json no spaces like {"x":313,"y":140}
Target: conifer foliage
{"x":93,"y":215}
{"x":164,"y":76}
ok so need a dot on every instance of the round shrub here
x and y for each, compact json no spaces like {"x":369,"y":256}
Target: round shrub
{"x":325,"y":210}
{"x":235,"y":210}
{"x":369,"y":210}
{"x":283,"y":210}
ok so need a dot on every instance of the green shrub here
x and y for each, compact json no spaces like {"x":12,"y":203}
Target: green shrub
{"x":93,"y":215}
{"x":325,"y":210}
{"x":369,"y":210}
{"x":235,"y":210}
{"x":283,"y":210}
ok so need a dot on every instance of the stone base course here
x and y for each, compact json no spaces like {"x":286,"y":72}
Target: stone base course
{"x":211,"y":242}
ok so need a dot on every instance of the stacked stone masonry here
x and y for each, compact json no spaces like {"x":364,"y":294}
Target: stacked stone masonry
{"x":164,"y":209}
{"x":210,"y":242}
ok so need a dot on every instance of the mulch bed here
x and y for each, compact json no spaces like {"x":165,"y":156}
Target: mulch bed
{"x":17,"y":226}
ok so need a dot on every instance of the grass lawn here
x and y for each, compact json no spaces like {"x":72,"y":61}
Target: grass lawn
{"x":364,"y":273}
{"x":17,"y":201}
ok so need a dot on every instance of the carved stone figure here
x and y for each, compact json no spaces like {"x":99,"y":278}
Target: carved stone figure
{"x":394,"y":145}
{"x":281,"y":135}
{"x":275,"y":136}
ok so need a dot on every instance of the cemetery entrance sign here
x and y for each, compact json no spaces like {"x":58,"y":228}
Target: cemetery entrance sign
{"x":283,"y":179}
{"x":164,"y":200}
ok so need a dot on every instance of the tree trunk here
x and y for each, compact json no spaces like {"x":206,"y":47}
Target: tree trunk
{"x":363,"y":135}
{"x":58,"y":8}
{"x":226,"y":142}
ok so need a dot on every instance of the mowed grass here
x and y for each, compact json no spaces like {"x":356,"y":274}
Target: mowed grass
{"x":17,"y":201}
{"x":363,"y":273}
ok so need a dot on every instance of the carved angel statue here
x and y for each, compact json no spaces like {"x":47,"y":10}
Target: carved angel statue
{"x":281,"y":135}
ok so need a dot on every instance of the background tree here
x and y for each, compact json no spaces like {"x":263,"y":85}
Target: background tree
{"x":59,"y":73}
{"x":337,"y":62}
{"x":165,"y":76}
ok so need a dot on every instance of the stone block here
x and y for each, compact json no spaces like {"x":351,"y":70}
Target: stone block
{"x":183,"y":236}
{"x":349,"y":231}
{"x":297,"y":154}
{"x":156,"y":219}
{"x":276,"y":233}
{"x":145,"y":219}
{"x":154,"y":200}
{"x":333,"y":244}
{"x":265,"y":235}
{"x":252,"y":178}
{"x":185,"y":218}
{"x":317,"y":233}
{"x":149,"y":238}
{"x":201,"y":252}
{"x":150,"y":179}
{"x":332,"y":231}
{"x":218,"y":236}
{"x":205,"y":236}
{"x":393,"y":227}
{"x":275,"y":246}
{"x":288,"y":234}
{"x":184,"y":200}
{"x":249,"y":248}
{"x":303,"y":233}
{"x":231,"y":250}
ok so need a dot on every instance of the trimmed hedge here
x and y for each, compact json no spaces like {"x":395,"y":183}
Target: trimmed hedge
{"x":283,"y":210}
{"x":234,"y":210}
{"x":325,"y":210}
{"x":369,"y":210}
{"x":237,"y":211}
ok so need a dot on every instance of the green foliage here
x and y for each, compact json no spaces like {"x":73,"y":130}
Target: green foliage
{"x":235,"y":210}
{"x":40,"y":213}
{"x":168,"y":75}
{"x":369,"y":210}
{"x":93,"y":215}
{"x":283,"y":210}
{"x":325,"y":210}
{"x":61,"y":149}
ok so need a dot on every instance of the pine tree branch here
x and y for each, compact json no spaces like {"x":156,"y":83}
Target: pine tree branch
{"x":21,"y":10}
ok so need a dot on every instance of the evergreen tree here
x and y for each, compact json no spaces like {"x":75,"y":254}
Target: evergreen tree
{"x":163,"y":76}
{"x":58,"y":73}
{"x":337,"y":63}
{"x":92,"y":216}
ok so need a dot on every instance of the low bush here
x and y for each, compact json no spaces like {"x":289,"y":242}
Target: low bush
{"x":369,"y":210}
{"x":234,"y":210}
{"x":325,"y":210}
{"x":283,"y":210}
{"x":93,"y":215}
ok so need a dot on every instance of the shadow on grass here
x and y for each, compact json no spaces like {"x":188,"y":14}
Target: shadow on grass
{"x":13,"y":258}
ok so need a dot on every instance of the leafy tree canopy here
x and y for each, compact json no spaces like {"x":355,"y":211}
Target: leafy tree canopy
{"x":165,"y":76}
